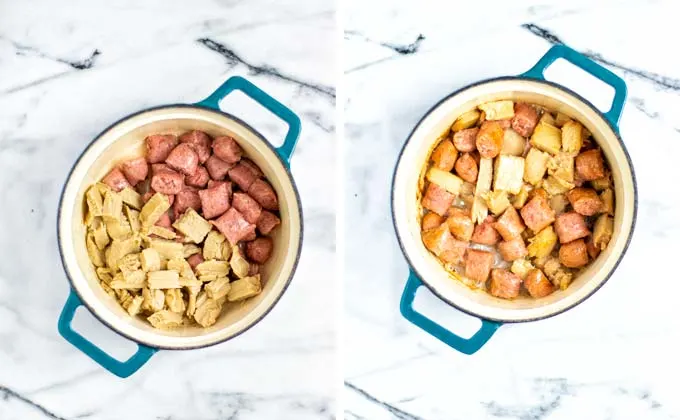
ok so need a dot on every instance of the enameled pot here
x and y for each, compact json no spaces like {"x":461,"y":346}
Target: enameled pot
{"x":425,"y":268}
{"x":125,"y":139}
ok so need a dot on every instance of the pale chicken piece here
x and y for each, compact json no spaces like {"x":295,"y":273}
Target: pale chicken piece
{"x":466,"y":120}
{"x":133,"y":219}
{"x":193,"y":292}
{"x":133,"y":280}
{"x":163,"y":279}
{"x":165,"y":320}
{"x":152,"y":211}
{"x":101,"y":237}
{"x":132,"y":198}
{"x":130,"y":263}
{"x":154,"y":300}
{"x":207,"y":312}
{"x":167,"y":249}
{"x":547,"y":138}
{"x":113,"y":206}
{"x":212,"y":247}
{"x":513,"y":143}
{"x":244,"y":288}
{"x":120,"y":248}
{"x":161,"y":232}
{"x":603,"y":231}
{"x":134,"y":308}
{"x":218,"y":288}
{"x":535,"y":166}
{"x":521,"y":267}
{"x":497,"y":201}
{"x":560,"y":120}
{"x":508,"y":174}
{"x":558,"y":275}
{"x":521,"y":197}
{"x":559,"y":203}
{"x":95,"y":201}
{"x":93,"y":252}
{"x":190,"y":249}
{"x":124,"y":297}
{"x":217,"y":267}
{"x":562,"y":166}
{"x":118,"y":228}
{"x":498,"y":110}
{"x":239,"y":265}
{"x":207,"y":278}
{"x":109,"y":291}
{"x":554,"y":185}
{"x":542,"y":244}
{"x":572,"y":136}
{"x":193,"y":226}
{"x":150,"y":260}
{"x":607,"y":197}
{"x":104,"y":274}
{"x":445,"y":180}
{"x":479,"y":207}
{"x":174,"y":300}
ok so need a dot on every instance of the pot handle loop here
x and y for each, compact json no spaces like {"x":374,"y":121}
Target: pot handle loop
{"x":463,"y":345}
{"x":589,"y":66}
{"x":261,"y":97}
{"x":118,"y":368}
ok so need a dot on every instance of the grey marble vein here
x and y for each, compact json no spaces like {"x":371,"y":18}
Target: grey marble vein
{"x":8,"y":393}
{"x":401,"y":49}
{"x":27,"y":50}
{"x":400,"y":414}
{"x":550,"y":391}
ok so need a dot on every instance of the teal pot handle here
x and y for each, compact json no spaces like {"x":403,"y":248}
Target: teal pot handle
{"x":118,"y":368}
{"x":463,"y":345}
{"x":261,"y":97}
{"x":589,"y":66}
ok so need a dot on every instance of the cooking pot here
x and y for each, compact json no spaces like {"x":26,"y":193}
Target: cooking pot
{"x":125,"y":139}
{"x":426,"y":270}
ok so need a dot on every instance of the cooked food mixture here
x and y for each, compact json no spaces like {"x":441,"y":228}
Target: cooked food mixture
{"x":177,"y":234}
{"x":517,"y":200}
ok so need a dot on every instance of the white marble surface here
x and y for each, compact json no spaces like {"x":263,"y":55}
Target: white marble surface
{"x":614,"y":356}
{"x":67,"y":70}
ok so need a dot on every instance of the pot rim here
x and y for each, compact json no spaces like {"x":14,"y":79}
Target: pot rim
{"x":587,"y":103}
{"x":264,"y":141}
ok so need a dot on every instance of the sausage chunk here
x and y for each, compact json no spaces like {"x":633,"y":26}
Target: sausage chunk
{"x":513,"y":250}
{"x":460,"y":224}
{"x":504,"y":284}
{"x":590,"y":165}
{"x":485,"y":233}
{"x":199,"y":141}
{"x":250,"y":208}
{"x":264,"y":194}
{"x":159,"y":146}
{"x":537,"y":213}
{"x":585,"y":201}
{"x":490,"y":139}
{"x":184,"y":200}
{"x":437,"y":199}
{"x":431,"y":221}
{"x":165,"y":221}
{"x":213,"y":184}
{"x":167,"y":181}
{"x":199,"y":179}
{"x":465,"y":140}
{"x":259,"y":250}
{"x":442,"y":244}
{"x":570,"y":226}
{"x":509,"y":225}
{"x":243,"y":175}
{"x":505,"y":124}
{"x":478,"y":265}
{"x":217,"y":168}
{"x":135,"y":170}
{"x":466,"y":168}
{"x":444,"y":155}
{"x":195,"y":260}
{"x":267,"y":222}
{"x":538,"y":284}
{"x":116,"y":180}
{"x":234,"y":226}
{"x":183,"y":159}
{"x":215,"y":200}
{"x":227,"y":149}
{"x":525,"y":119}
{"x":574,"y":254}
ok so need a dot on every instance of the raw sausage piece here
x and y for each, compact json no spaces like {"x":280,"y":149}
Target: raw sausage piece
{"x":251,"y":236}
{"x":525,"y":119}
{"x":465,"y":140}
{"x":213,"y":184}
{"x":444,"y":245}
{"x":504,"y":284}
{"x":431,"y":221}
{"x":159,"y":167}
{"x":485,"y":233}
{"x":537,"y":213}
{"x":215,"y":200}
{"x":116,"y":180}
{"x":590,"y":165}
{"x":250,"y":208}
{"x":199,"y":141}
{"x":570,"y":226}
{"x":184,"y":159}
{"x":199,"y":179}
{"x":195,"y":260}
{"x":243,"y":175}
{"x":135,"y":170}
{"x":167,"y":181}
{"x":437,"y":199}
{"x":585,"y":201}
{"x":264,"y":194}
{"x":234,"y":226}
{"x":253,"y":166}
{"x":184,"y":200}
{"x":217,"y":168}
{"x":478,"y":265}
{"x":466,"y":168}
{"x":513,"y":250}
{"x":444,"y":155}
{"x":267,"y":222}
{"x":259,"y":250}
{"x":165,"y":221}
{"x":574,"y":254}
{"x":460,"y":224}
{"x":490,"y":139}
{"x":159,"y":146}
{"x":538,"y":284}
{"x":509,"y":225}
{"x":227,"y":149}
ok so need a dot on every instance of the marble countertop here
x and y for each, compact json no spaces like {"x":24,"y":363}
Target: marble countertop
{"x":612,"y":357}
{"x":65,"y":74}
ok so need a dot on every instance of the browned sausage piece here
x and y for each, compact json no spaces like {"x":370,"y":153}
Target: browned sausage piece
{"x":585,"y":201}
{"x":442,"y":244}
{"x":135,"y":170}
{"x":431,"y":221}
{"x":251,"y":236}
{"x":466,"y":168}
{"x":444,"y":155}
{"x":509,"y":225}
{"x":525,"y":119}
{"x":460,"y":224}
{"x":243,"y":175}
{"x":437,"y":199}
{"x":159,"y":146}
{"x":570,"y":226}
{"x":485,"y":233}
{"x":167,"y":181}
{"x":215,"y":200}
{"x":574,"y":254}
{"x":505,"y":123}
{"x":234,"y":226}
{"x":195,"y":260}
{"x":490,"y":139}
{"x":478,"y":265}
{"x":259,"y":250}
{"x":227,"y":149}
{"x":267,"y":222}
{"x":537,"y":213}
{"x":200,"y":142}
{"x":116,"y":180}
{"x":538,"y":284}
{"x":217,"y":168}
{"x":264,"y":194}
{"x":247,"y":205}
{"x":184,"y":200}
{"x":199,"y":179}
{"x":513,"y":250}
{"x":590,"y":165}
{"x":465,"y":140}
{"x":184,"y":159}
{"x":504,"y":284}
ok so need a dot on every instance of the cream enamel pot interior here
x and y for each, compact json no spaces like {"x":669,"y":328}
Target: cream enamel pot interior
{"x":125,"y":139}
{"x":425,"y":268}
